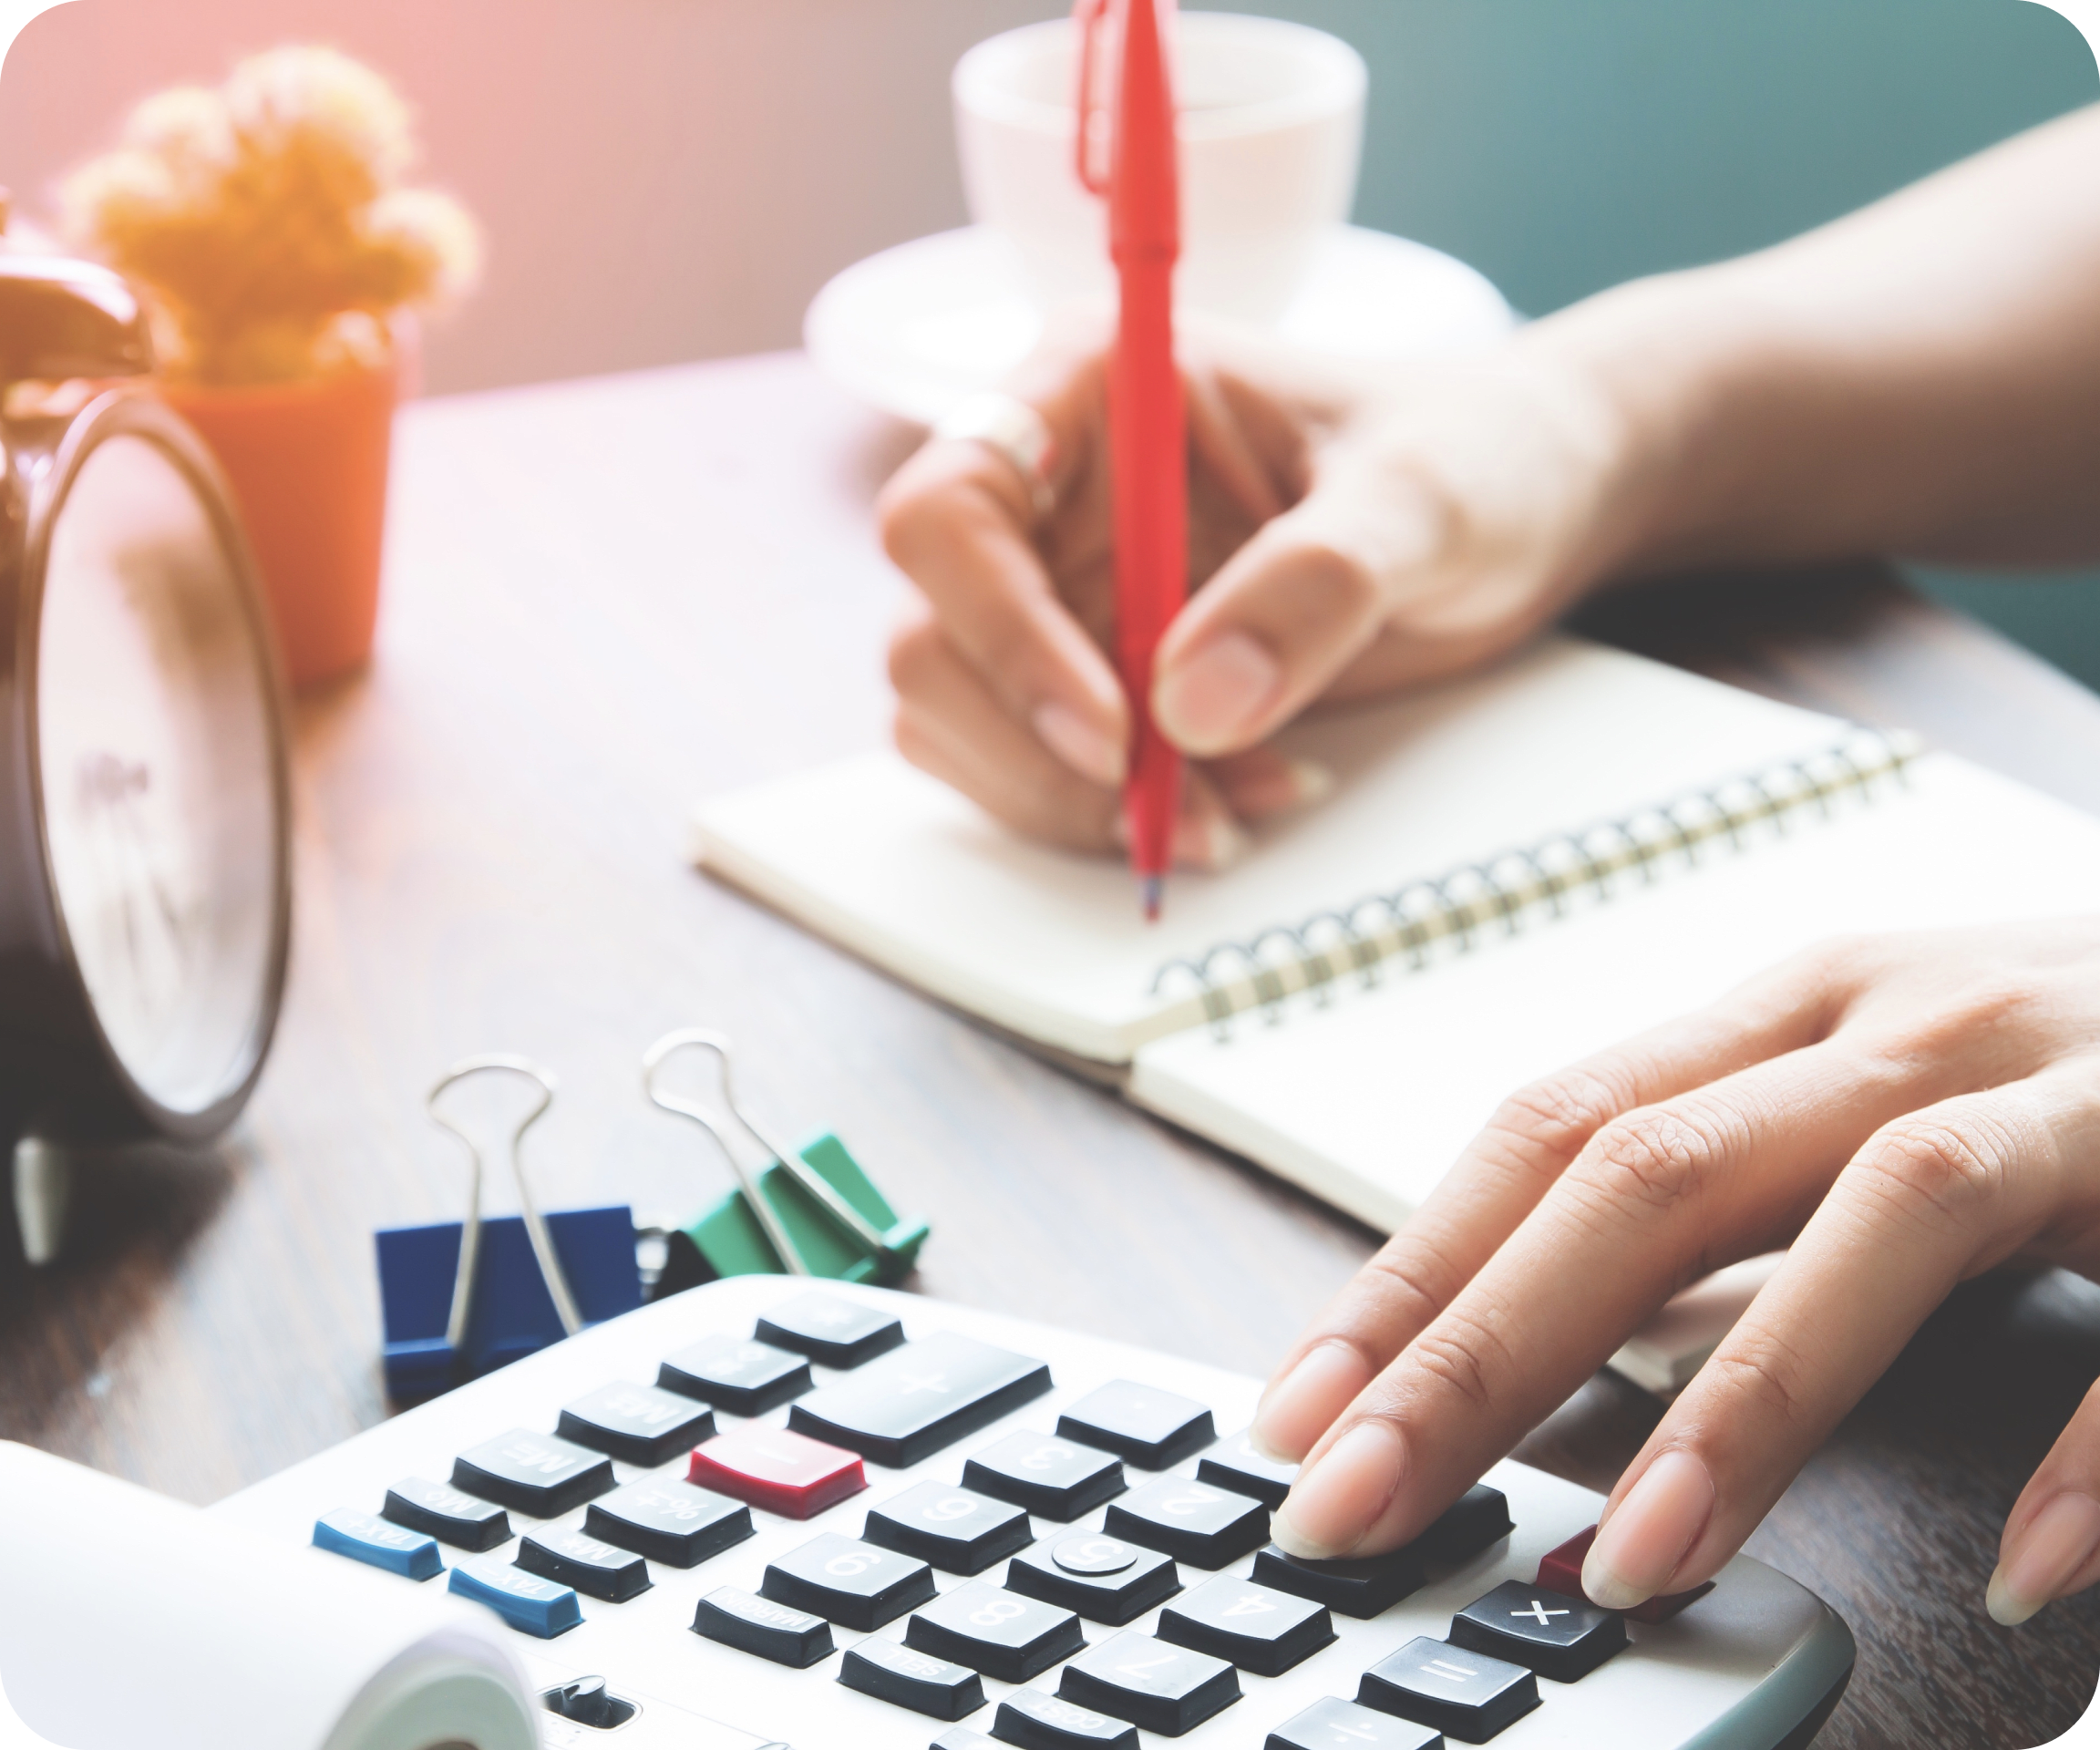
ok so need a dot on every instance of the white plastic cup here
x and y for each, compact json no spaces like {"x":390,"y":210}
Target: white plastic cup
{"x":1272,"y":132}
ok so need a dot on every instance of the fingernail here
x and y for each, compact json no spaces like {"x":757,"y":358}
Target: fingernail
{"x":1213,"y":843}
{"x":1641,"y":1543}
{"x":1331,"y":1507}
{"x":1205,"y":701}
{"x":1289,"y":784}
{"x":2059,"y":1540}
{"x":1078,"y":743}
{"x":1300,"y":1407}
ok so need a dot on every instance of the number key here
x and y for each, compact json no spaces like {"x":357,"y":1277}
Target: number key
{"x":1167,"y":1690}
{"x":1150,"y":1427}
{"x":997,"y":1632}
{"x":901,"y":1674}
{"x":1103,"y":1578}
{"x":959,"y":1532}
{"x":1235,"y":1465}
{"x":1191,"y":1522}
{"x":846,"y":1580}
{"x":1258,"y":1630}
{"x":1054,"y":1479}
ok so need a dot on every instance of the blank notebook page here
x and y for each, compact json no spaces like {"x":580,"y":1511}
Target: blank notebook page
{"x":1368,"y":1100}
{"x":899,"y":868}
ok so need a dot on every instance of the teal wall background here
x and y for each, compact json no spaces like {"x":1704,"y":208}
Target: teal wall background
{"x":1563,"y":144}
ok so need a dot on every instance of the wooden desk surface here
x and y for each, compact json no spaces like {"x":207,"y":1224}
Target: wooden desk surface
{"x":607,"y":598}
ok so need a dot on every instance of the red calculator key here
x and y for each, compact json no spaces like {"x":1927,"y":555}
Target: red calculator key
{"x":1561,"y":1570}
{"x":778,"y":1469}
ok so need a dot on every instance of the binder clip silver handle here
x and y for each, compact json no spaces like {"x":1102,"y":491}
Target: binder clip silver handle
{"x":790,"y":1161}
{"x":471,"y":1230}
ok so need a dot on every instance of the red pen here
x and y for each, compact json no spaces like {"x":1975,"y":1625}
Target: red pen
{"x":1148,"y":485}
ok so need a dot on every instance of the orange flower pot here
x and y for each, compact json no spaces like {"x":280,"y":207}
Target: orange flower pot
{"x":307,"y":462}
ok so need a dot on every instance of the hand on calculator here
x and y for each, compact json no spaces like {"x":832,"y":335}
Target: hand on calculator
{"x":1905,"y":1112}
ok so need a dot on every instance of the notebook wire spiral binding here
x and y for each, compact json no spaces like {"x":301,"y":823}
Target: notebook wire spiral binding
{"x":1519,"y":885}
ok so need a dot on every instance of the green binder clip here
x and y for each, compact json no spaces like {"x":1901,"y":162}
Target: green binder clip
{"x":809,"y":1211}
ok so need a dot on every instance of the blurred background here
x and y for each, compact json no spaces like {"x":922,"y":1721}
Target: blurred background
{"x":671,"y":179}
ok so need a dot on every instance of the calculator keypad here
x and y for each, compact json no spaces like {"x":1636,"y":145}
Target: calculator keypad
{"x":895,"y":1672}
{"x":539,"y":1474}
{"x":595,"y":1567}
{"x":1257,"y":1628}
{"x":1151,"y":1428}
{"x":638,"y":1425}
{"x":1191,"y":1522}
{"x":834,"y":1332}
{"x":778,"y":1469}
{"x":918,"y":1399}
{"x":669,"y":1522}
{"x":997,"y":1632}
{"x":1103,"y":1579}
{"x":744,"y":1377}
{"x":851,"y":1582}
{"x":448,"y":1514}
{"x":1054,"y":1479}
{"x":956,"y":1530}
{"x":1162,"y":1688}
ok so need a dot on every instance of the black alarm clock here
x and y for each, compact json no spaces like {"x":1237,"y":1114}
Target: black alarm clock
{"x":145,"y":871}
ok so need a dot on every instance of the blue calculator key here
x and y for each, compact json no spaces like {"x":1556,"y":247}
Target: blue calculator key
{"x":364,"y":1537}
{"x":1332,"y":1724}
{"x":528,"y":1603}
{"x":1038,"y":1721}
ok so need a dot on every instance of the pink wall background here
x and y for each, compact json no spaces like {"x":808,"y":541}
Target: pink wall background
{"x":659,"y":180}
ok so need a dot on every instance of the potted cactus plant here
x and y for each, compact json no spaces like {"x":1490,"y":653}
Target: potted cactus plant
{"x":269,"y":227}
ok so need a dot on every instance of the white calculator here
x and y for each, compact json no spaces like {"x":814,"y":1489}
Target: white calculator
{"x":771,"y":1511}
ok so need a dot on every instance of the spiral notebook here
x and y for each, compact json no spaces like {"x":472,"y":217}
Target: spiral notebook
{"x":1514,"y":870}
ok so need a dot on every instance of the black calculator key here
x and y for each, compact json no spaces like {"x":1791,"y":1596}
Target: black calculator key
{"x":961,"y":1737}
{"x":1037,"y":1721}
{"x":1000,"y":1633}
{"x":892,"y":1672}
{"x":1557,"y":1637}
{"x":1332,"y":1724}
{"x":787,"y":1637}
{"x":849,"y":1581}
{"x":733,"y":1374}
{"x":1103,"y":1579}
{"x":639,"y":1424}
{"x":1360,"y":1587}
{"x":956,"y":1530}
{"x":1052,"y":1478}
{"x":448,"y":1514}
{"x":669,"y":1522}
{"x":540,"y":1474}
{"x":1258,"y":1629}
{"x":1464,"y":1695}
{"x":1148,"y":1426}
{"x":1191,"y":1522}
{"x":1235,"y":1465}
{"x":830,"y":1330}
{"x":920,"y":1398}
{"x":1165,"y":1689}
{"x":1478,"y":1518}
{"x":595,"y":1567}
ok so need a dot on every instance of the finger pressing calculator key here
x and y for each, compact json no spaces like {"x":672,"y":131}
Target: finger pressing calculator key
{"x":1465,"y":1695}
{"x":1255,"y":1627}
{"x":449,"y":1514}
{"x":639,"y":1424}
{"x":742,"y":1376}
{"x":365,"y":1538}
{"x":829,"y":1329}
{"x":1054,"y":1479}
{"x":778,"y":1469}
{"x":1235,"y":1465}
{"x":901,"y":1674}
{"x":752,"y":1624}
{"x":544,"y":1608}
{"x":1555,"y":1635}
{"x":1191,"y":1522}
{"x":994,"y":1631}
{"x":669,"y":1522}
{"x":918,"y":1399}
{"x":1332,"y":1724}
{"x":956,"y":1530}
{"x":539,"y":1474}
{"x":848,"y":1581}
{"x":1149,"y":1427}
{"x":1103,"y":1579}
{"x":1165,"y":1689}
{"x":595,"y":1567}
{"x":1561,"y":1568}
{"x":1038,"y":1720}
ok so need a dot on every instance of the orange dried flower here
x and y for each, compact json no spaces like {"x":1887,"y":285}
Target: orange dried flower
{"x":267,"y":222}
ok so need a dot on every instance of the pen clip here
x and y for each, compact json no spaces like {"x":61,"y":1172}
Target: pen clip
{"x":1090,"y":141}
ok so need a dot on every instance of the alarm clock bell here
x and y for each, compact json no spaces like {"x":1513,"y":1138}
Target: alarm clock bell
{"x":145,"y":871}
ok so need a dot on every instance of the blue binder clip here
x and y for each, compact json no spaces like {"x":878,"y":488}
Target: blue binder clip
{"x":459,"y":1300}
